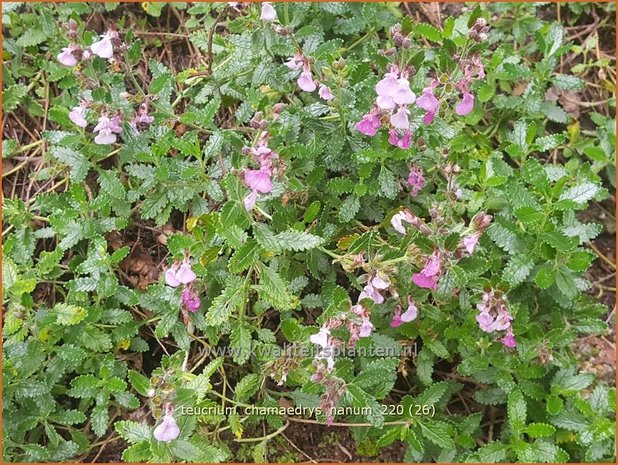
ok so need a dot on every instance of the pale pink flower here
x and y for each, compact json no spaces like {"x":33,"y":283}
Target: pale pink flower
{"x":366,"y":328}
{"x":78,"y":116}
{"x":268,"y":12}
{"x":104,"y":47}
{"x":107,"y":129}
{"x":168,"y":430}
{"x":306,"y":82}
{"x":295,"y":62}
{"x":321,"y":337}
{"x":471,"y":241}
{"x":66,"y":57}
{"x":170,"y":277}
{"x":185,"y":274}
{"x":400,"y":119}
{"x":411,"y":313}
{"x":325,"y":93}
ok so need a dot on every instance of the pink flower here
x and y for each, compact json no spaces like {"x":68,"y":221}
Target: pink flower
{"x":411,"y":313}
{"x":168,"y":430}
{"x":396,"y":322}
{"x":66,"y":57}
{"x":190,"y":300}
{"x":306,"y":82}
{"x":259,"y":180}
{"x":373,"y":287}
{"x":428,"y":276}
{"x":104,"y":47}
{"x":485,"y":321}
{"x":185,"y":274}
{"x":369,"y":125}
{"x":509,"y":340}
{"x":416,"y":180}
{"x":107,"y":129}
{"x":466,"y":104}
{"x":325,"y":93}
{"x":268,"y":13}
{"x":400,"y":119}
{"x":402,"y":142}
{"x":428,"y":102}
{"x":78,"y":116}
{"x":470,"y":241}
{"x":392,"y":92}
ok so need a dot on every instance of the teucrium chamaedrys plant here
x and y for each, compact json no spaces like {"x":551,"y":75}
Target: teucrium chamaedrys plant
{"x":369,"y":221}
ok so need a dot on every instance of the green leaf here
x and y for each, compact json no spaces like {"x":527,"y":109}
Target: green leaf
{"x":428,"y":32}
{"x":245,"y":256}
{"x":132,"y":431}
{"x":517,"y":410}
{"x":68,"y":315}
{"x":581,"y":193}
{"x":12,"y":96}
{"x":437,"y":432}
{"x":77,"y":163}
{"x":539,"y":430}
{"x":518,"y":269}
{"x":139,"y":382}
{"x":274,"y":290}
{"x":246,"y":387}
{"x":231,"y":300}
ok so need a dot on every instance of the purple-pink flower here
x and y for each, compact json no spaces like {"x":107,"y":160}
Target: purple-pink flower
{"x":190,"y":300}
{"x":466,"y":104}
{"x":495,"y":316}
{"x":428,"y":102}
{"x":370,"y":124}
{"x":259,"y":180}
{"x":428,"y":276}
{"x":402,"y":142}
{"x":416,"y":180}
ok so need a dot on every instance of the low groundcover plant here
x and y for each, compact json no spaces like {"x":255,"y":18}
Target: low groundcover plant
{"x":273,"y":214}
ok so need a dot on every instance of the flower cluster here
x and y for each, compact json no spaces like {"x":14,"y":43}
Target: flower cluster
{"x":182,"y":274}
{"x":109,"y":44}
{"x":393,"y":97}
{"x":416,"y":180}
{"x":494,"y":315}
{"x":306,"y":81}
